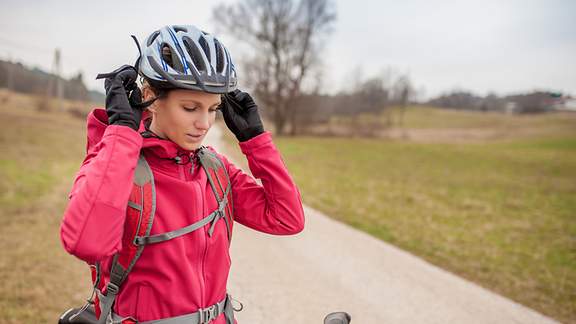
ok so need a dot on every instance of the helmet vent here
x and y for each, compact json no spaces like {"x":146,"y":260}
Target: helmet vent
{"x":171,"y":58}
{"x":205,"y":46}
{"x":179,"y":29}
{"x":219,"y":56}
{"x":195,"y":54}
{"x":152,"y":37}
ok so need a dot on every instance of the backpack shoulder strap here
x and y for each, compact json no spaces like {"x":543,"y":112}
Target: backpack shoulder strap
{"x":219,"y":181}
{"x":139,"y":219}
{"x":139,"y":215}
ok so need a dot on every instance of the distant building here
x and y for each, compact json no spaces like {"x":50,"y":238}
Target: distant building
{"x":511,"y":107}
{"x":566,"y":104}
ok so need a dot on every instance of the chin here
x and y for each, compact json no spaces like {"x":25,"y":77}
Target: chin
{"x":190,"y":146}
{"x":189,"y":143}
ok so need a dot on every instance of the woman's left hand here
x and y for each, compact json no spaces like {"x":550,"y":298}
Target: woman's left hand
{"x":241,"y":115}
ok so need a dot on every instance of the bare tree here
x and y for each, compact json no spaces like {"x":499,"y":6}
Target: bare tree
{"x":404,"y":91}
{"x":287,"y":37}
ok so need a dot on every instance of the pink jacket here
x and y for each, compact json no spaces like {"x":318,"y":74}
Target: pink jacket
{"x":190,"y":272}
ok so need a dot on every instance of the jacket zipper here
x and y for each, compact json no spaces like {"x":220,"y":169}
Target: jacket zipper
{"x":205,"y":241}
{"x":181,"y":172}
{"x":189,"y":177}
{"x":204,"y":234}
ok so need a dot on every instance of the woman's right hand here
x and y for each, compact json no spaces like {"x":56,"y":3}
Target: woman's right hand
{"x":123,"y":97}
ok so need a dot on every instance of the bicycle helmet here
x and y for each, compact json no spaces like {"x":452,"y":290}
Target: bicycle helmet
{"x":183,"y":56}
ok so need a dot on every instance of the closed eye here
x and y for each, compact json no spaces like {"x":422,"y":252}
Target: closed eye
{"x":212,"y":109}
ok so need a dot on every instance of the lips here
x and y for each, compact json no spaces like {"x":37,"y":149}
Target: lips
{"x":195,"y":136}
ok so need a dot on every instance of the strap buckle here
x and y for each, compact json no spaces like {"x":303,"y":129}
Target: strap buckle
{"x":208,"y":314}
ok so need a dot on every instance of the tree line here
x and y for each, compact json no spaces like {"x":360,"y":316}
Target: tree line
{"x":529,"y":102}
{"x":20,"y":78}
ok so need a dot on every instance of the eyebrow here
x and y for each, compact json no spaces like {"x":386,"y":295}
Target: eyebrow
{"x":199,"y":103}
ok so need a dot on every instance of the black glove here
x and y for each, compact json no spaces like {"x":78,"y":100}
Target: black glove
{"x":241,"y":115}
{"x":123,"y":97}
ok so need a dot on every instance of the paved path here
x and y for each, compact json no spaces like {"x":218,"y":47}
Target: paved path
{"x":331,"y":266}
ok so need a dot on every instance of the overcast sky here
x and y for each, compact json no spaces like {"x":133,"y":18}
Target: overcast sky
{"x":503,"y":46}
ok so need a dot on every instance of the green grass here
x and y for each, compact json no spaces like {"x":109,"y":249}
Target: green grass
{"x":19,"y":184}
{"x":430,"y":117}
{"x":40,"y":152}
{"x":502,"y":214}
{"x":499,"y":211}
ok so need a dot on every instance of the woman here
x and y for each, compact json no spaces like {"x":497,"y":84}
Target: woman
{"x":188,"y":75}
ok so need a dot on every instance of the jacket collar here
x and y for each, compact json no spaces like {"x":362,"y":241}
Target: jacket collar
{"x":163,"y":148}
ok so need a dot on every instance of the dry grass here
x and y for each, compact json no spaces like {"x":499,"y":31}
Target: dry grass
{"x":39,"y":103}
{"x":40,"y":152}
{"x":434,"y":125}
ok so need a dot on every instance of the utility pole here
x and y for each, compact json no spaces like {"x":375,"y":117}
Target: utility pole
{"x":10,"y":69}
{"x":56,"y":80}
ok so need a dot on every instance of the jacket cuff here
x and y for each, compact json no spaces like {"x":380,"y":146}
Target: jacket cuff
{"x":255,"y":142}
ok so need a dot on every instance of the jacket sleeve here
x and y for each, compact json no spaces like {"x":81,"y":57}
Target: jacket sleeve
{"x":93,"y":222}
{"x":275,"y":207}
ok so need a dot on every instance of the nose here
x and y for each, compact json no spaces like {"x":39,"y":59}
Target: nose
{"x":203,"y":121}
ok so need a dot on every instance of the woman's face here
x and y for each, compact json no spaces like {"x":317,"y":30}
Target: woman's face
{"x":183,"y":116}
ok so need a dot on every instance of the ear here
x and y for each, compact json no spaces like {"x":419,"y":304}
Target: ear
{"x":147,"y":94}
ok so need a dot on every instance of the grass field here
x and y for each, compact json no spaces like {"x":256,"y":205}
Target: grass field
{"x":500,"y":211}
{"x":39,"y":154}
{"x":431,"y":125}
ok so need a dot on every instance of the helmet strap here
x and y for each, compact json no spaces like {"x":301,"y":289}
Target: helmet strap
{"x":136,"y":65}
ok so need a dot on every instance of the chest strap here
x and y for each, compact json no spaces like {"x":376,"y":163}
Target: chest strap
{"x":213,"y":217}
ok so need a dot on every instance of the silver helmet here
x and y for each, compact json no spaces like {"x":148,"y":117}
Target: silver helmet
{"x":183,"y":56}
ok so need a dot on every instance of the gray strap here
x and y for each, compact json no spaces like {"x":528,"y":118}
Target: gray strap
{"x":208,"y":160}
{"x":157,"y":238}
{"x":225,"y":197}
{"x":107,"y":301}
{"x":134,"y":205}
{"x":221,"y":206}
{"x":117,"y":276}
{"x":229,"y":310}
{"x":202,"y":316}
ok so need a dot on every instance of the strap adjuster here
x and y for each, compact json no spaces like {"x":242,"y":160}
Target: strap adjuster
{"x":222,"y":204}
{"x":112,"y":289}
{"x":208,"y":314}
